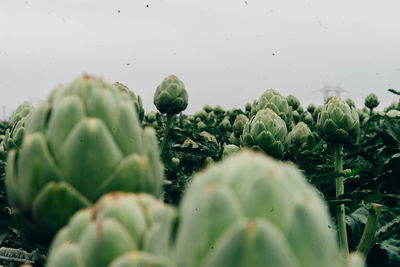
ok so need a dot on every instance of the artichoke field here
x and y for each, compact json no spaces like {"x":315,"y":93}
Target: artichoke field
{"x":88,"y":178}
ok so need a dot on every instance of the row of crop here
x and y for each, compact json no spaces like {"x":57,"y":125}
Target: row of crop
{"x":87,"y":140}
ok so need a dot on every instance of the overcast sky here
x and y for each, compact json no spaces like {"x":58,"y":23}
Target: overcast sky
{"x":226,"y":52}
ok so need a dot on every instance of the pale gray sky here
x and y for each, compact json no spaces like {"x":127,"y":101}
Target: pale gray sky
{"x":227,"y":52}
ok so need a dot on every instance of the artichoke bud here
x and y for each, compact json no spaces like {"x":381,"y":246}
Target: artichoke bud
{"x":299,"y":134}
{"x":266,"y":131}
{"x":247,"y":107}
{"x":337,"y":122}
{"x":208,"y":161}
{"x":225,"y":125}
{"x":293,"y":102}
{"x":309,"y":119}
{"x":85,"y":141}
{"x":208,"y":137}
{"x":151,"y":116}
{"x":350,"y":102}
{"x":218,"y":110}
{"x":201,"y":115}
{"x":201,"y":125}
{"x":296,"y":116}
{"x":239,"y":124}
{"x":171,"y":96}
{"x":311,"y":108}
{"x":14,"y":135}
{"x":119,"y":225}
{"x":371,"y":101}
{"x":137,"y":101}
{"x":229,"y":150}
{"x":207,"y":108}
{"x":260,"y":207}
{"x":275,"y":101}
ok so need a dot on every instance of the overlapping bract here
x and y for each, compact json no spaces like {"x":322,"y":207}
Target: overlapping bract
{"x":251,"y":210}
{"x":266,"y":131}
{"x":299,"y":134}
{"x":337,"y":122}
{"x":171,"y":96}
{"x":83,"y":142}
{"x":122,"y":229}
{"x":371,"y":101}
{"x":136,"y":100}
{"x":15,"y":133}
{"x":275,"y":101}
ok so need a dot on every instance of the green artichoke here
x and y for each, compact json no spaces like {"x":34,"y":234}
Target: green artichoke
{"x":207,"y":108}
{"x":239,"y":124}
{"x":293,"y":102}
{"x":251,"y":210}
{"x":171,"y":97}
{"x":218,"y":110}
{"x":350,"y":102}
{"x":371,"y":101}
{"x":299,"y":134}
{"x":122,"y":229}
{"x":137,"y":101}
{"x":311,"y":108}
{"x":15,"y":133}
{"x":309,"y":119}
{"x":225,"y":125}
{"x":275,"y":101}
{"x":83,"y":142}
{"x":229,"y":150}
{"x":296,"y":116}
{"x":337,"y":122}
{"x":266,"y":131}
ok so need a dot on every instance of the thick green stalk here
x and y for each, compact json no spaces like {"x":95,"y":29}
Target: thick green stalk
{"x":340,"y":210}
{"x":369,"y":230}
{"x":167,"y":134}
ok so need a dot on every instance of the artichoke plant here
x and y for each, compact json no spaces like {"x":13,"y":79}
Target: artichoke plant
{"x":337,"y":122}
{"x":275,"y":101}
{"x":137,"y":101}
{"x":251,"y":210}
{"x":350,"y":102}
{"x":171,"y":97}
{"x":311,"y":108}
{"x":293,"y":101}
{"x":239,"y":124}
{"x":371,"y":101}
{"x":266,"y":131}
{"x":15,"y":133}
{"x":122,"y":229}
{"x":299,"y":134}
{"x":229,"y":150}
{"x":85,"y":141}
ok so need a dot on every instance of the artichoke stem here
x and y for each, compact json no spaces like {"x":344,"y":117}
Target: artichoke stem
{"x":369,"y":230}
{"x":170,"y":120}
{"x":340,"y":210}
